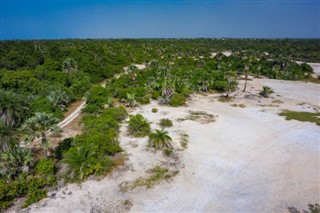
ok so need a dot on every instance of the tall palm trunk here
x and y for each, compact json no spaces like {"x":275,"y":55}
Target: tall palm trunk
{"x":44,"y":144}
{"x":245,"y":84}
{"x":246,"y":68}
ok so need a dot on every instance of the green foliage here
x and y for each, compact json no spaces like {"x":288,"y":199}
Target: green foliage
{"x":168,"y":151}
{"x":38,"y":126}
{"x":160,"y":140}
{"x":82,"y":161}
{"x":266,"y":91}
{"x":45,"y":167}
{"x":155,"y":95}
{"x":63,"y":146}
{"x":301,"y":116}
{"x":14,"y":161}
{"x":97,"y":95}
{"x":165,"y":122}
{"x":138,"y":126}
{"x":154,"y":110}
{"x":35,"y":196}
{"x":177,"y":100}
{"x":155,"y":175}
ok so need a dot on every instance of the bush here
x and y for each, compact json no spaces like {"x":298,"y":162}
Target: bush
{"x":63,"y":146}
{"x":138,"y":126}
{"x":177,"y":100}
{"x":155,"y":94}
{"x":83,"y":161}
{"x":45,"y":167}
{"x":154,"y":110}
{"x":165,"y":122}
{"x":92,"y":108}
{"x":220,"y":85}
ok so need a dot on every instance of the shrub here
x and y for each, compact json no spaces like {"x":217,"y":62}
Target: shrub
{"x":177,"y":100}
{"x":138,"y":126}
{"x":83,"y":161}
{"x":63,"y":146}
{"x":45,"y":167}
{"x":155,"y":94}
{"x":154,"y":110}
{"x":165,"y":122}
{"x":92,"y":108}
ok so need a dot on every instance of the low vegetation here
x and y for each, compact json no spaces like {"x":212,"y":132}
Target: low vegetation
{"x":199,"y":116}
{"x":266,"y":91}
{"x":138,"y":126}
{"x":302,"y":116}
{"x":160,"y":140}
{"x":184,"y":140}
{"x":154,"y":110}
{"x":165,"y":122}
{"x":155,"y":175}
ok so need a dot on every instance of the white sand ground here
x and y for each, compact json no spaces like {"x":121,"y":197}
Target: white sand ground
{"x":248,"y":160}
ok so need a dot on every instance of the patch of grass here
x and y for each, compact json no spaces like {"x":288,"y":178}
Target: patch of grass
{"x":238,"y":105}
{"x":167,"y":152}
{"x":312,"y":80}
{"x":154,"y":110}
{"x":202,"y":117}
{"x":223,"y":98}
{"x":184,"y":140}
{"x":302,"y":116}
{"x":155,"y":175}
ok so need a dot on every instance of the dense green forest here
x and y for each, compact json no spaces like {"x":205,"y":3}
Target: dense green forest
{"x":40,"y":79}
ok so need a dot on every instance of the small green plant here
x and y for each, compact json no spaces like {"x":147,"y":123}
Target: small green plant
{"x":302,"y":116}
{"x":159,"y":140}
{"x":156,"y":174}
{"x":165,"y":122}
{"x":138,"y":126}
{"x":167,"y":151}
{"x":154,"y":110}
{"x":266,"y":91}
{"x":184,"y":140}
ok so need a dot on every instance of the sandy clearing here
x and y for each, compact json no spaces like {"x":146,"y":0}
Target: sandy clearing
{"x":249,"y":160}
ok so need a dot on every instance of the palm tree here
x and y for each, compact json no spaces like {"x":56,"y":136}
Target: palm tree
{"x":69,"y":65}
{"x":246,"y":69}
{"x":6,"y":134}
{"x":78,"y":161}
{"x":59,"y":98}
{"x":14,"y":161}
{"x":160,"y":139}
{"x":266,"y":91}
{"x":131,"y":100}
{"x":12,"y":108}
{"x":39,"y":126}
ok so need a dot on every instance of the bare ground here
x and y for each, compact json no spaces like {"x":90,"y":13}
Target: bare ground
{"x":248,"y":159}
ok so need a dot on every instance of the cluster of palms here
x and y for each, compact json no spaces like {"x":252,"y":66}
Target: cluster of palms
{"x":13,"y":110}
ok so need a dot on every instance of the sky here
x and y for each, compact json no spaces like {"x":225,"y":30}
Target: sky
{"x":58,"y":19}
